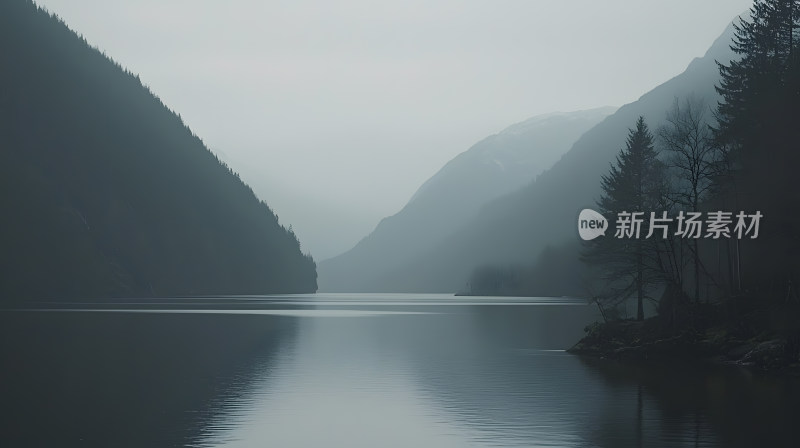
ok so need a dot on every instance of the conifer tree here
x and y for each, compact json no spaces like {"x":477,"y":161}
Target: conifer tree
{"x":634,"y":184}
{"x":758,"y":129}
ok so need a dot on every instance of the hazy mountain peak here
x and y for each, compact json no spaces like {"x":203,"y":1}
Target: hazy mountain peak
{"x":492,"y":167}
{"x":514,"y":227}
{"x":543,"y":120}
{"x":527,"y":147}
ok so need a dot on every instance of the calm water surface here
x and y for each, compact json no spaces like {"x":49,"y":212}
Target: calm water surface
{"x":360,"y":371}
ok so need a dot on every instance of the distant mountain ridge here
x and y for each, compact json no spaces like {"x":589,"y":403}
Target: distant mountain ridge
{"x":105,"y":192}
{"x":515,"y":228}
{"x":496,"y":165}
{"x":512,"y":153}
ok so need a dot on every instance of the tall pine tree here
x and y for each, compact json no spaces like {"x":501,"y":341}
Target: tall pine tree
{"x":635,"y":183}
{"x":758,"y":120}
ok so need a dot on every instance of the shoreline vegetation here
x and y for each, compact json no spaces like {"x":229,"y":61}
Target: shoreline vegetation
{"x":738,"y":332}
{"x":728,"y":284}
{"x":740,"y":157}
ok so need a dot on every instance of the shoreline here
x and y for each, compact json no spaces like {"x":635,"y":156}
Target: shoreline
{"x":647,"y":340}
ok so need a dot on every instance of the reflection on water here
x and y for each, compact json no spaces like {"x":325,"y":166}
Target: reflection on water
{"x":124,"y":380}
{"x":362,"y":371}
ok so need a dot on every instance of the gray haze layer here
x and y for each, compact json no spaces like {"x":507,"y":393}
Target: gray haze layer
{"x":514,"y":228}
{"x":346,"y":107}
{"x":493,"y":167}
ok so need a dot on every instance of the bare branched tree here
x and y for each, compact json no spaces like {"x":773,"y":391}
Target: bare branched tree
{"x":693,"y":157}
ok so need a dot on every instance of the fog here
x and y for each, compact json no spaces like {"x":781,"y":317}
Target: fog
{"x":337,"y":112}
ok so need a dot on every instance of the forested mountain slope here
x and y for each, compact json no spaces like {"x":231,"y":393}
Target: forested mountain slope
{"x":105,"y":192}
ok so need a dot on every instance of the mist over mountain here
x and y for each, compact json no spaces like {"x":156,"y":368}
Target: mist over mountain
{"x":105,"y":192}
{"x":515,"y":228}
{"x":324,"y":227}
{"x":496,"y":165}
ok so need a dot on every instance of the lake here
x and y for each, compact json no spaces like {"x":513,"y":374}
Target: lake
{"x":360,"y":370}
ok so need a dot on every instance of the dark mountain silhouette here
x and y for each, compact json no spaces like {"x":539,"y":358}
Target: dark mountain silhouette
{"x":105,"y":192}
{"x":497,"y":165}
{"x":515,"y":228}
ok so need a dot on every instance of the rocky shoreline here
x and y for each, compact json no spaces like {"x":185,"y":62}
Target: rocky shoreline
{"x":767,"y":351}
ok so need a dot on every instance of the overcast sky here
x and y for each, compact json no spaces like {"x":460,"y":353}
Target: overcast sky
{"x":353,"y":104}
